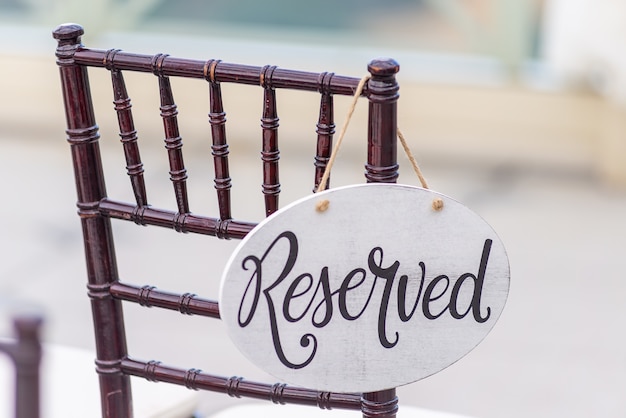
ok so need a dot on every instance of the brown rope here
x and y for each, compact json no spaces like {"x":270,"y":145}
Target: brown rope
{"x":412,"y":159}
{"x":437,"y":202}
{"x":323,"y":204}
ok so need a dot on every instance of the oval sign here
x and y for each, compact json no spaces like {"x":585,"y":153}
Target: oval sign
{"x":377,"y":291}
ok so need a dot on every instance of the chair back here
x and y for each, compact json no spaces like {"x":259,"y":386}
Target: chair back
{"x":96,"y":209}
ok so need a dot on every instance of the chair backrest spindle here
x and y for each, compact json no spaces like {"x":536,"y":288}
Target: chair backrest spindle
{"x":270,"y":153}
{"x":128,"y":135}
{"x":325,"y":129}
{"x":173,"y":140}
{"x":219,"y":147}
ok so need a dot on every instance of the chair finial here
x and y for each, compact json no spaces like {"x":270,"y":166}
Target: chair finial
{"x":68,"y":31}
{"x":383,"y":67}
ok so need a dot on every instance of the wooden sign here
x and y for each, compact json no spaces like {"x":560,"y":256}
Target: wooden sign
{"x":377,"y":291}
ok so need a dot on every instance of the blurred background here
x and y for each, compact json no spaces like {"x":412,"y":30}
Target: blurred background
{"x":516,"y":108}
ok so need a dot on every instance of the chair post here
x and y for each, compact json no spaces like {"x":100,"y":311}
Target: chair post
{"x":381,"y":404}
{"x":27,"y":358}
{"x":82,"y":134}
{"x":382,"y":163}
{"x":382,"y":167}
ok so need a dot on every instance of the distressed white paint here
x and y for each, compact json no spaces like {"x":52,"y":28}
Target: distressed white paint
{"x":364,"y":347}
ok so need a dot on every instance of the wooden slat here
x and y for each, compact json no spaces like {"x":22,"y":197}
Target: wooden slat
{"x":225,"y":72}
{"x":149,"y":296}
{"x":128,"y":136}
{"x":173,"y":141}
{"x":270,"y":153}
{"x":325,"y":130}
{"x":219,"y":147}
{"x":188,"y":223}
{"x":238,"y":387}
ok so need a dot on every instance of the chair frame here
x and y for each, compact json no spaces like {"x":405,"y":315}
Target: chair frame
{"x":95,"y":209}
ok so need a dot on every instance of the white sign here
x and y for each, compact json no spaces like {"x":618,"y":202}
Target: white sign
{"x":377,"y":291}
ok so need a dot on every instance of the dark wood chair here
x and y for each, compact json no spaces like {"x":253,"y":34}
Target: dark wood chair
{"x":25,"y":353}
{"x":96,"y":209}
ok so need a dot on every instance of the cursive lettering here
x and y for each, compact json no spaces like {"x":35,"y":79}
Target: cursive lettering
{"x":291,"y":297}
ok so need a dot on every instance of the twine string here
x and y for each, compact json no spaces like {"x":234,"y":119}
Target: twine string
{"x":437,"y":202}
{"x":323,"y":204}
{"x":412,"y":159}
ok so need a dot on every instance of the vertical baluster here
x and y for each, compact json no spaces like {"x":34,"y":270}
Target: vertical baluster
{"x":173,"y":141}
{"x":325,"y":129}
{"x":270,"y":153}
{"x":219,"y":148}
{"x":128,"y":134}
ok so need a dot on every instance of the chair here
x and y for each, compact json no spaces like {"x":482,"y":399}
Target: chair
{"x":25,"y":353}
{"x":96,"y":209}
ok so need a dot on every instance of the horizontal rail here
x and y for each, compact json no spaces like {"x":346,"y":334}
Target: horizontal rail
{"x":218,"y":70}
{"x":187,"y":303}
{"x":186,"y":222}
{"x":238,"y":387}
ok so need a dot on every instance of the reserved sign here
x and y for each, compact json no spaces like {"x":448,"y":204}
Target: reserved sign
{"x":378,"y":291}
